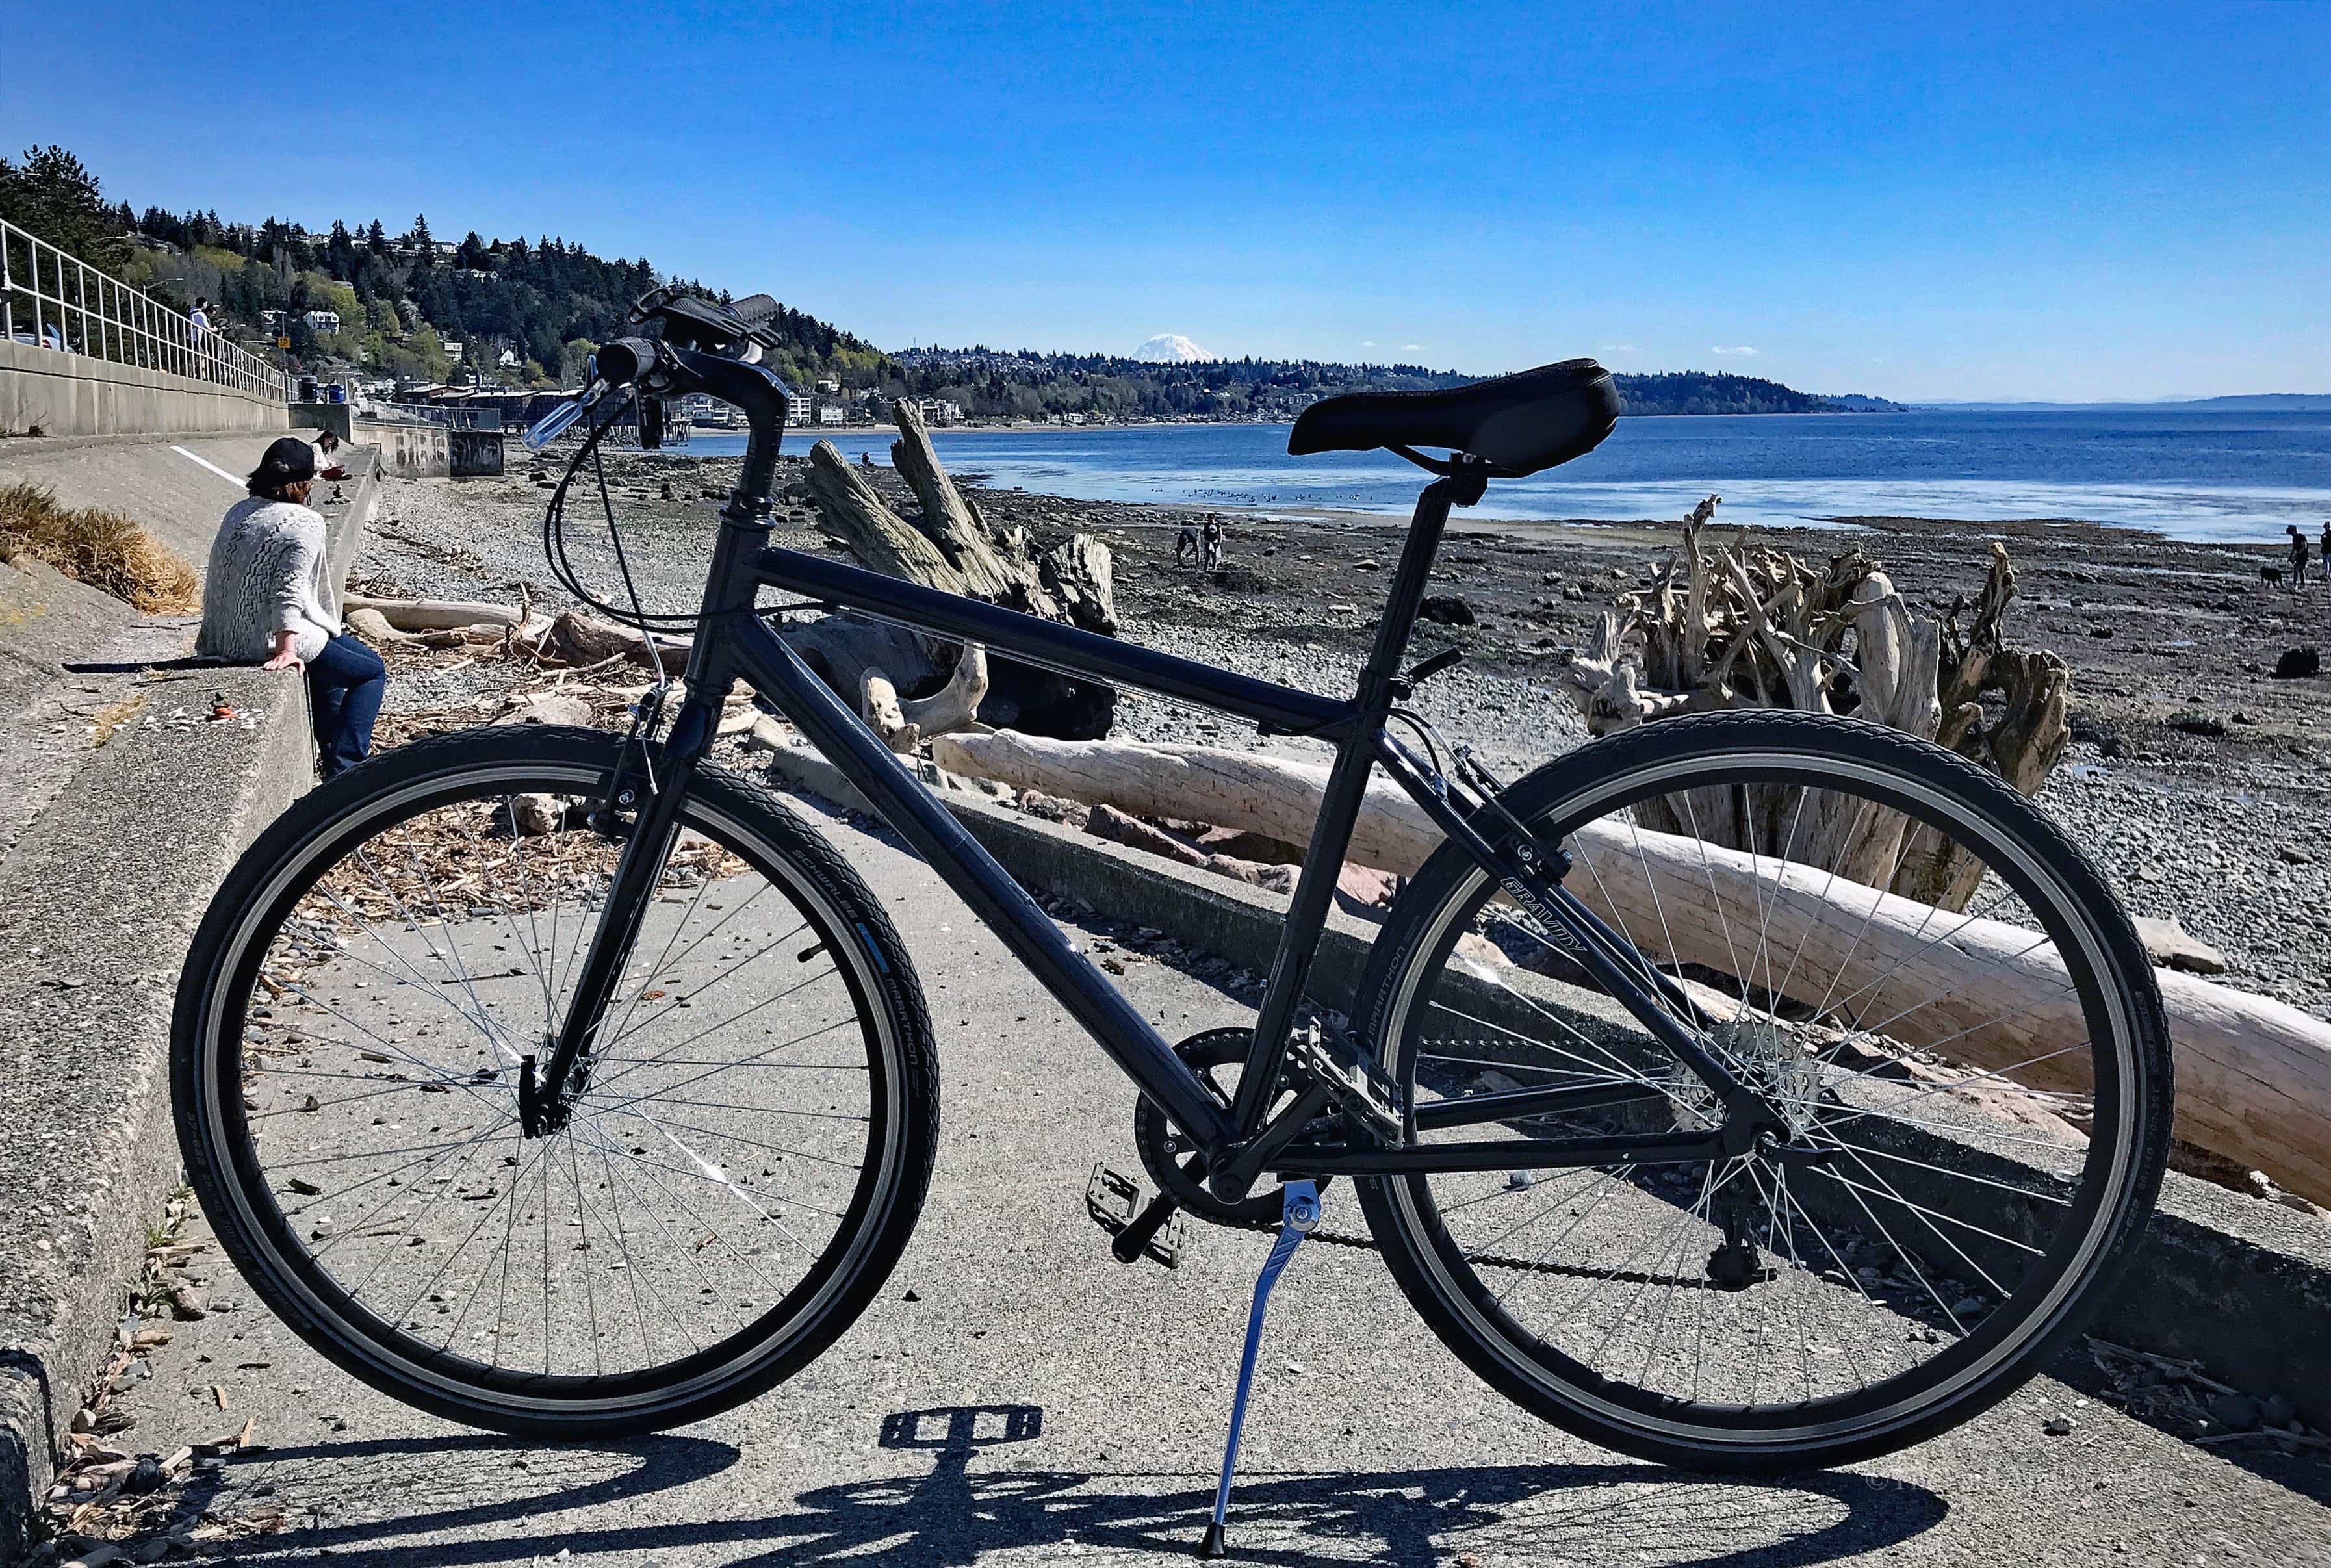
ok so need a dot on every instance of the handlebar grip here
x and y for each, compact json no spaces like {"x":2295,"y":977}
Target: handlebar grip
{"x":626,"y":360}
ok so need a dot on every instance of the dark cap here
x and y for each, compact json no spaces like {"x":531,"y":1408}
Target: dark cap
{"x":288,"y":460}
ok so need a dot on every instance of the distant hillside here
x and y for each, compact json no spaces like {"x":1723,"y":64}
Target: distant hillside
{"x":989,"y":383}
{"x":359,"y":299}
{"x":1715,"y":392}
{"x":2264,"y":402}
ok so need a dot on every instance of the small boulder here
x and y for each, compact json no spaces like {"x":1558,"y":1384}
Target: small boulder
{"x":2170,"y":945}
{"x":2298,"y":663}
{"x":1446,"y":610}
{"x":2236,"y":1412}
{"x":549,"y":708}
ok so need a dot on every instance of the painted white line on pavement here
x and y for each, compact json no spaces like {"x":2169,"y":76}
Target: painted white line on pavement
{"x":215,"y":467}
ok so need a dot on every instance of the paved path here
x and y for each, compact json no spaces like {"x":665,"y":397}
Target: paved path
{"x":176,"y":486}
{"x":1018,"y":1397}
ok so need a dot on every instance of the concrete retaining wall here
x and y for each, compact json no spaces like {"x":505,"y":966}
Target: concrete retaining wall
{"x":409,"y":451}
{"x":475,"y":453}
{"x":98,"y":897}
{"x":339,"y":418}
{"x":72,"y":394}
{"x":145,"y":834}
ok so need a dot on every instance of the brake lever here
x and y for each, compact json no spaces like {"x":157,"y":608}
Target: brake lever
{"x":551,"y":425}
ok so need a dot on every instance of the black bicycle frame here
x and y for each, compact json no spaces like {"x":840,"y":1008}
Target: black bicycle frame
{"x":1242,"y":1141}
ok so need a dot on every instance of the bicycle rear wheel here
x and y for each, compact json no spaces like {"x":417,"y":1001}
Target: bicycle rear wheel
{"x":1902,"y":954}
{"x":739,"y":1175}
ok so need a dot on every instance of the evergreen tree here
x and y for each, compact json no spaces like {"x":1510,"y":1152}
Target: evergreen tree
{"x":52,"y":195}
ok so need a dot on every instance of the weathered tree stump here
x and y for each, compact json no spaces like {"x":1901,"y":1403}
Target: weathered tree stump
{"x":1725,"y":626}
{"x":950,"y":546}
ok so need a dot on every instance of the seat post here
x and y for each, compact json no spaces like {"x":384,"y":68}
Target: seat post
{"x":1408,"y":585}
{"x":1339,"y":806}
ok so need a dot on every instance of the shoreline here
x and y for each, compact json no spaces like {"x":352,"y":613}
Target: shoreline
{"x":1234,"y":475}
{"x":2193,"y":775}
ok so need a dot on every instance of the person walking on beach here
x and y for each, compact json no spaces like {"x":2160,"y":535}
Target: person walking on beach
{"x":2323,"y":561}
{"x":2297,"y":558}
{"x":268,"y":599}
{"x":1185,"y":547}
{"x":1211,"y":548}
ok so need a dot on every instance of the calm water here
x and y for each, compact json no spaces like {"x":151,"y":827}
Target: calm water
{"x":2189,"y":475}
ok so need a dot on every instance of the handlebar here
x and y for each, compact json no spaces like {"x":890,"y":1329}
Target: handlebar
{"x":667,"y":370}
{"x":626,"y":360}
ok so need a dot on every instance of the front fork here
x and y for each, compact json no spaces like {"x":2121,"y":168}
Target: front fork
{"x":642,"y":807}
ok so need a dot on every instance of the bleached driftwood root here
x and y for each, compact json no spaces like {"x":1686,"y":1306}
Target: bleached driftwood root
{"x":949,"y":546}
{"x":1725,"y":626}
{"x":2253,"y":1075}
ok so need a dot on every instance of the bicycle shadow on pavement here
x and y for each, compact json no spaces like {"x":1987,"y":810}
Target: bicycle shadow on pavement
{"x":287,"y":1503}
{"x":970,"y":1507}
{"x":1621,"y":1512}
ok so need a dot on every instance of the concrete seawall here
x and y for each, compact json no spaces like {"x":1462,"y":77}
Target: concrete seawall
{"x":62,"y":393}
{"x":99,"y":892}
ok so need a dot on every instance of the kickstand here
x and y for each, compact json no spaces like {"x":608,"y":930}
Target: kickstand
{"x":1298,"y":1219}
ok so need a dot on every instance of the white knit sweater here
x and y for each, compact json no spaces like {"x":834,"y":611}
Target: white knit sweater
{"x":268,"y":574}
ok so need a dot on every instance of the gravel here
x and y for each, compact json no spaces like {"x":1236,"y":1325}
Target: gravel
{"x":2224,"y":832}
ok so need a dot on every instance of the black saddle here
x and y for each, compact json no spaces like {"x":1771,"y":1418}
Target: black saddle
{"x":1517,"y":423}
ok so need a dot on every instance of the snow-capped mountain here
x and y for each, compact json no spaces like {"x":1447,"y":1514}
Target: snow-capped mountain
{"x":1171,"y":348}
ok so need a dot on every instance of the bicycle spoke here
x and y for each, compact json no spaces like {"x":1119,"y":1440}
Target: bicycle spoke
{"x":1688,"y":1285}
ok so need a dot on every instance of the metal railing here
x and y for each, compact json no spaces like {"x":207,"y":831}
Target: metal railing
{"x":452,"y":416}
{"x":51,"y":301}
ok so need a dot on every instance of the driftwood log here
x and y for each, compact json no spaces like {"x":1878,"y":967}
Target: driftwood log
{"x":1726,"y":626}
{"x":895,"y":676}
{"x":432,"y":614}
{"x":575,"y":638}
{"x":2253,"y":1075}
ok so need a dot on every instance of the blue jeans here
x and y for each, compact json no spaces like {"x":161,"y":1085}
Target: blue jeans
{"x":345,"y":685}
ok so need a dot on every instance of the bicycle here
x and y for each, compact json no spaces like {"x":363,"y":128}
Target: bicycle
{"x":560,"y":1083}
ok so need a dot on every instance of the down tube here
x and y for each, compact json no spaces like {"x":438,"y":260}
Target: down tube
{"x":963,"y":865}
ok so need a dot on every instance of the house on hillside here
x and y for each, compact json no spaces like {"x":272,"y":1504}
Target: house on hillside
{"x":798,"y":409}
{"x":322,"y":321}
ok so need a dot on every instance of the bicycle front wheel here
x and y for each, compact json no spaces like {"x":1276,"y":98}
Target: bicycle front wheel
{"x":740,"y":1172}
{"x":1937,"y":990}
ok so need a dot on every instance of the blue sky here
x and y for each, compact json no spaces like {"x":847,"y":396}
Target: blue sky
{"x":1993,"y":201}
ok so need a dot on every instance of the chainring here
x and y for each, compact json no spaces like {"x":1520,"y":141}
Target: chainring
{"x":1164,"y":1146}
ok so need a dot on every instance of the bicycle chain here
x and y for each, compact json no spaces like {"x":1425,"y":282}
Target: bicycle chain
{"x":1492,"y":1261}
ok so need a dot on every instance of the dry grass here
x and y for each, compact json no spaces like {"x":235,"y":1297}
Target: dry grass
{"x":103,"y":549}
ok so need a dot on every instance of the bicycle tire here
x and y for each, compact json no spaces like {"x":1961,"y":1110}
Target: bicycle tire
{"x":213,"y":1113}
{"x":1472,"y":1317}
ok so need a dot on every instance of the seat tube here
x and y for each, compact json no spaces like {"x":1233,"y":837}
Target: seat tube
{"x":1339,"y":809}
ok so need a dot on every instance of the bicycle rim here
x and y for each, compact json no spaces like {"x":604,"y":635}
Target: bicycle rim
{"x":1981,"y":1169}
{"x":722,"y":1187}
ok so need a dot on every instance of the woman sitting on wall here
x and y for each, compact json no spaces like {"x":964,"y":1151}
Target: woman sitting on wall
{"x":269,"y":599}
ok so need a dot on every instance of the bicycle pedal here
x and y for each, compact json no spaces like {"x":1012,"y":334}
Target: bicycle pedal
{"x":1114,"y":1201}
{"x":1357,"y":1086}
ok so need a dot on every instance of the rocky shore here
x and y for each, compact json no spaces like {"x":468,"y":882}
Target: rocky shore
{"x":2197,"y":776}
